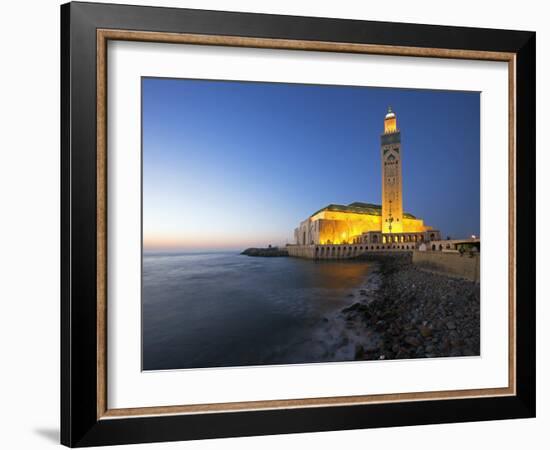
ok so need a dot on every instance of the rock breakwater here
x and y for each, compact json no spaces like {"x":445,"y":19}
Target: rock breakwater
{"x":268,"y":251}
{"x":416,"y":314}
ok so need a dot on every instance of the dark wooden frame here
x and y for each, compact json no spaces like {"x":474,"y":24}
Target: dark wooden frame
{"x":85,"y":419}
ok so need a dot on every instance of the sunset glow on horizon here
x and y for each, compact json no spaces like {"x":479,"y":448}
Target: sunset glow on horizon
{"x":199,"y":243}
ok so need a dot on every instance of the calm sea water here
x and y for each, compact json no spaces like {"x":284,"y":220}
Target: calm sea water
{"x":226,"y":309}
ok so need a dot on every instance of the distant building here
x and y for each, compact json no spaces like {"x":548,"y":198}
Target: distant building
{"x":337,"y":231}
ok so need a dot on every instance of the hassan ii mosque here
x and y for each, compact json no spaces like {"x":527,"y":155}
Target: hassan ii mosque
{"x":344,"y":231}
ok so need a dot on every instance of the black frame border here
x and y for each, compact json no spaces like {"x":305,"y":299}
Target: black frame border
{"x":79,"y":423}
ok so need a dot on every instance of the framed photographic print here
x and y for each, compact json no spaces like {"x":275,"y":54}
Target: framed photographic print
{"x":276,"y":224}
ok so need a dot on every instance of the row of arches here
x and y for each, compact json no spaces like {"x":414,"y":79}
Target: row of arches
{"x":344,"y":251}
{"x":405,"y":238}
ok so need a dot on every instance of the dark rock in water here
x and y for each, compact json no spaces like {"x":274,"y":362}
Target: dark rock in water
{"x":425,"y":331}
{"x":355,"y":307}
{"x":269,"y":251}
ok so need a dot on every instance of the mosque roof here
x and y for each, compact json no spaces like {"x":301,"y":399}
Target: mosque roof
{"x":358,"y":208}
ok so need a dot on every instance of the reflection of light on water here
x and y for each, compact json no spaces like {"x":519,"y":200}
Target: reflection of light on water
{"x":335,"y":275}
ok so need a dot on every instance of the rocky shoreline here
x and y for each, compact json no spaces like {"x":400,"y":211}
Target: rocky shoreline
{"x":416,"y":314}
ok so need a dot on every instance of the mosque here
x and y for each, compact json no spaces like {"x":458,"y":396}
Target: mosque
{"x":344,"y":231}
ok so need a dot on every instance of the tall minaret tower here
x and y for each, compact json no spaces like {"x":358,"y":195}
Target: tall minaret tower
{"x":392,"y":186}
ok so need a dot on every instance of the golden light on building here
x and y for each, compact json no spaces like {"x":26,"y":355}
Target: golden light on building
{"x":390,"y":122}
{"x":361,"y":223}
{"x":343,"y":224}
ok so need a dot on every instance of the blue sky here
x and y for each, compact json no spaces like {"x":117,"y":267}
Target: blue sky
{"x":228,"y":164}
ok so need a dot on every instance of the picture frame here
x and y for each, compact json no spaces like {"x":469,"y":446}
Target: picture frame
{"x":86,"y":418}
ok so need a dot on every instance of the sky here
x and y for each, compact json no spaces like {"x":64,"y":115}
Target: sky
{"x":230,"y":165}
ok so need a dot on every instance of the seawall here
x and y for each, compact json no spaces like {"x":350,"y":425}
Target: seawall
{"x":345,"y":251}
{"x":451,"y":264}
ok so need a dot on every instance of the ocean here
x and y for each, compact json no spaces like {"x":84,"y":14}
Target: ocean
{"x":225,"y":309}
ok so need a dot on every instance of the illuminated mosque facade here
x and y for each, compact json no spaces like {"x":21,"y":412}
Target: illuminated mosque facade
{"x":341,"y":231}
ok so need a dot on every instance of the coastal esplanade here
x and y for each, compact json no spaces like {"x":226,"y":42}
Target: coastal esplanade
{"x":344,"y":231}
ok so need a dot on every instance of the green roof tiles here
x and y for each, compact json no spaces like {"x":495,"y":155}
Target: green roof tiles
{"x":359,"y":208}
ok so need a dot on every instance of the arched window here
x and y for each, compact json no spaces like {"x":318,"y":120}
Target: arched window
{"x":433,"y":247}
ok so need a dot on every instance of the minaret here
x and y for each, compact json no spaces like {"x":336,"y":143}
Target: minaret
{"x":392,"y":187}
